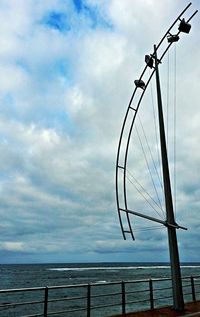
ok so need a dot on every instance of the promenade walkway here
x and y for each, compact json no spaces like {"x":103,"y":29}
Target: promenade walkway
{"x":191,"y":310}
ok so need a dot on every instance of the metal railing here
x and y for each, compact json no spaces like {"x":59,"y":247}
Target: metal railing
{"x":96,"y":299}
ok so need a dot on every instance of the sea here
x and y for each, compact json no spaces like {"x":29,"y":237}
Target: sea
{"x":53,"y":274}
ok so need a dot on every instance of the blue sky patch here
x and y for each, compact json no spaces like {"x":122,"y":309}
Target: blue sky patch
{"x":92,"y":13}
{"x":57,"y":21}
{"x":63,"y":67}
{"x":61,"y":21}
{"x":78,"y":5}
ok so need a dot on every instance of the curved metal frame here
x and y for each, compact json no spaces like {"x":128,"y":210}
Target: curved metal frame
{"x":135,"y":110}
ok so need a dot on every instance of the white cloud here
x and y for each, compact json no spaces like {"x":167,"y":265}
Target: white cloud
{"x":13,"y":246}
{"x":63,"y":96}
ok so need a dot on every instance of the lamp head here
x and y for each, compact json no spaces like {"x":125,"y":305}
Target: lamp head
{"x":149,"y":61}
{"x":184,"y":26}
{"x":139,"y":83}
{"x":172,"y":38}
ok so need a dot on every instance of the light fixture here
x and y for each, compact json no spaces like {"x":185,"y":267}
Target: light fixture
{"x":149,"y":61}
{"x":184,"y":26}
{"x":139,"y":83}
{"x":172,"y":38}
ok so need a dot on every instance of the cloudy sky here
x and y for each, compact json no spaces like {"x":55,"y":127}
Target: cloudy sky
{"x":67,"y":73}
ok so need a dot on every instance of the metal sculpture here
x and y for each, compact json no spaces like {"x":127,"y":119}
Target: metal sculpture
{"x":152,"y":63}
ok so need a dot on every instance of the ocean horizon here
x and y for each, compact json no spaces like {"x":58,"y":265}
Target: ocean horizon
{"x":53,"y":274}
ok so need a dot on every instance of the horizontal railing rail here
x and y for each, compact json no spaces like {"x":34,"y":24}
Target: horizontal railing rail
{"x":90,"y":300}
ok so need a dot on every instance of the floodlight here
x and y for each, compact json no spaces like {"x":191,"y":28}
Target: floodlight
{"x":139,"y":83}
{"x":172,"y":38}
{"x":184,"y":26}
{"x":149,"y":61}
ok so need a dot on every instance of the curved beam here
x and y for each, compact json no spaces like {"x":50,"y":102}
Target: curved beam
{"x":134,"y":110}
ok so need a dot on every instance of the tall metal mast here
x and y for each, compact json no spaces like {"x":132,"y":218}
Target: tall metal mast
{"x":172,"y":238}
{"x":124,"y":211}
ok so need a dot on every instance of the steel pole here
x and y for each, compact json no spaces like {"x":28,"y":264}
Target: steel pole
{"x":172,"y":238}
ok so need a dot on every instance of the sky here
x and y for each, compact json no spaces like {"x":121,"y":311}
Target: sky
{"x":67,"y":73}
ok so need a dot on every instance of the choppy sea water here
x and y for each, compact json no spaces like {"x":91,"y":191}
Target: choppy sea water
{"x":34,"y":275}
{"x":42,"y":275}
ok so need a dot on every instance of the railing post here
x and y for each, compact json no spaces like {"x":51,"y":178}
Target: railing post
{"x":88,"y":300}
{"x":45,"y":301}
{"x":193,"y":289}
{"x":151,"y":293}
{"x":123,"y":298}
